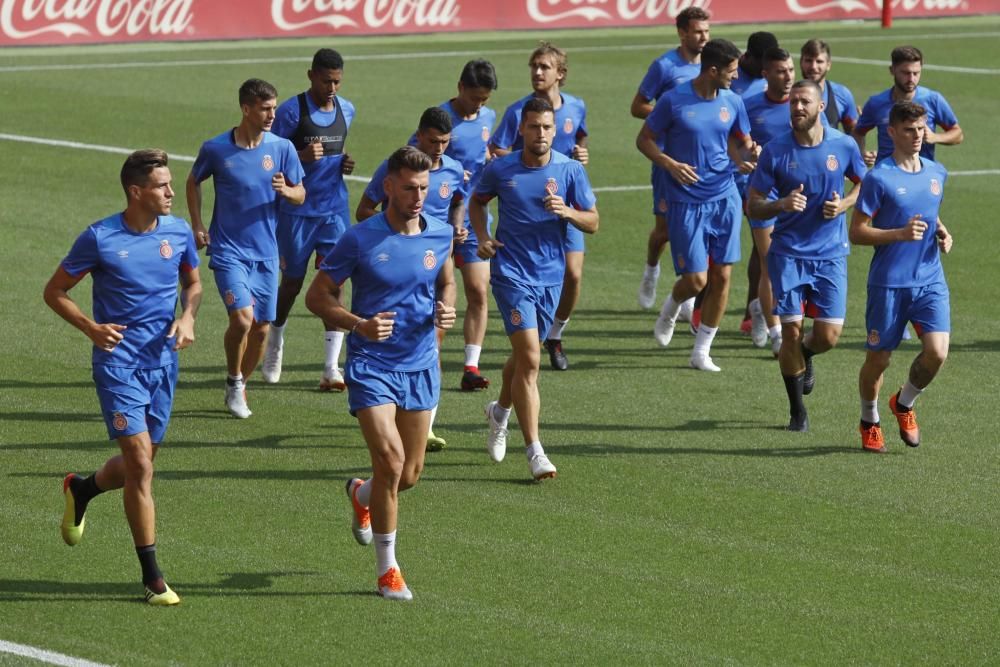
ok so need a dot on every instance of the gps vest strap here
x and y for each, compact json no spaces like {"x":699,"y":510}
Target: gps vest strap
{"x":332,"y":136}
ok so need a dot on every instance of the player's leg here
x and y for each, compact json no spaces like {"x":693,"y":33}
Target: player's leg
{"x":475,"y":282}
{"x":327,"y":233}
{"x":763,"y":310}
{"x":869,"y":385}
{"x":254,"y":351}
{"x":722,"y":221}
{"x":787,"y":286}
{"x":827,"y":304}
{"x":232,"y":278}
{"x":288,"y":290}
{"x":570,"y":294}
{"x":659,"y":236}
{"x":432,"y":442}
{"x":689,"y":251}
{"x":753,"y":285}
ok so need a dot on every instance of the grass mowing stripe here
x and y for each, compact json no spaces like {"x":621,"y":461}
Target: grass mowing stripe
{"x":49,"y":657}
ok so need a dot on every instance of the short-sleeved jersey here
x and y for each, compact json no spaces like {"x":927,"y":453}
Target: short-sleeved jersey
{"x":696,"y":131}
{"x":768,"y":118}
{"x":571,"y":122}
{"x":446,"y":183}
{"x":846,"y":108}
{"x":745,"y":85}
{"x":666,"y":73}
{"x":245,"y":214}
{"x":470,"y":137}
{"x":392,"y":272}
{"x":135,"y":285}
{"x":876,"y":114}
{"x":326,"y":192}
{"x":784,"y":164}
{"x":533,"y":239}
{"x":891,"y":196}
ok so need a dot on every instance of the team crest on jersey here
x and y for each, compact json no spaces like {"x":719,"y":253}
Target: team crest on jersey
{"x":935,"y":187}
{"x":831,"y":162}
{"x":445,"y":190}
{"x":166,"y":252}
{"x":267,"y":163}
{"x":724,"y":114}
{"x":119,"y":421}
{"x":661,"y":206}
{"x":568,"y":126}
{"x":485,"y":134}
{"x":229,"y":297}
{"x":551,"y":186}
{"x":873,"y":337}
{"x":515,"y":317}
{"x":430,"y":261}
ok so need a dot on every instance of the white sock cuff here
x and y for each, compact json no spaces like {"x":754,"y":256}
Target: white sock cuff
{"x":533,"y":450}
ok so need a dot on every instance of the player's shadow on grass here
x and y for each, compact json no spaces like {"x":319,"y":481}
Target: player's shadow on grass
{"x":753,"y":452}
{"x":26,"y":384}
{"x":54,"y":416}
{"x":322,"y":441}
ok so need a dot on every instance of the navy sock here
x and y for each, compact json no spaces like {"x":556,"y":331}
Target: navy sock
{"x":84,"y":489}
{"x":151,"y":575}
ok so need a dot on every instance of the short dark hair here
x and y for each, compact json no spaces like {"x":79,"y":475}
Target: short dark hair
{"x":408,"y":157}
{"x":139,"y":165}
{"x":759,"y":42}
{"x":776,"y":54}
{"x":256,"y":89}
{"x":549,"y":49}
{"x":906,"y":54}
{"x":435,"y":118}
{"x":903,"y":112}
{"x":718,"y":53}
{"x":327,"y":59}
{"x":479,"y":74}
{"x":685,"y":17}
{"x":810,"y":84}
{"x":814,"y":47}
{"x":536,"y":105}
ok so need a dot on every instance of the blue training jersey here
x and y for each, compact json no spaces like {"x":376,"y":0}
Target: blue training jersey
{"x":666,"y":73}
{"x":784,"y":164}
{"x":446,"y":183}
{"x":696,"y":131}
{"x":533,"y":239}
{"x":571,"y":123}
{"x":135,"y":284}
{"x":876,"y":114}
{"x":245,"y":214}
{"x":745,"y":85}
{"x":393,"y":272}
{"x":326,"y":192}
{"x":847,"y":109}
{"x":891,"y":196}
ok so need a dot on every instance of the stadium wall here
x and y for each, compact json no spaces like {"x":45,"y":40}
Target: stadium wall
{"x":50,"y":22}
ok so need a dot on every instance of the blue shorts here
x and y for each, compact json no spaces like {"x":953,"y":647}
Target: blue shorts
{"x":523,"y":307}
{"x":758,"y":224}
{"x":300,"y":236}
{"x":890,"y":308}
{"x":368,"y":386}
{"x":820,"y":282}
{"x":574,"y":240}
{"x":700,"y":231}
{"x":134,"y":400}
{"x":465,"y":252}
{"x":244,"y":283}
{"x":659,"y":179}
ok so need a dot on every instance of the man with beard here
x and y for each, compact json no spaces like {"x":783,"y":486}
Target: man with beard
{"x":541,"y":193}
{"x":665,"y":73}
{"x":815,"y":62}
{"x":701,"y":126}
{"x":898,"y":213}
{"x":800,"y":180}
{"x":906,"y":68}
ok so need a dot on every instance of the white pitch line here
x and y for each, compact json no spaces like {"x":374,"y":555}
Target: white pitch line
{"x":118,"y":150}
{"x":927,"y":66}
{"x":49,"y":657}
{"x":474,"y":52}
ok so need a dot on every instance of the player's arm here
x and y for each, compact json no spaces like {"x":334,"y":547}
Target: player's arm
{"x":56,"y":295}
{"x":293,"y":194}
{"x":950,"y":137}
{"x":580,"y":152}
{"x":587,"y":221}
{"x":444,"y":307}
{"x":645,"y":141}
{"x":478,"y":219}
{"x":366,"y":208}
{"x":944,"y":237}
{"x":641,"y":107}
{"x":743,"y":152}
{"x":324,"y":299}
{"x":759,"y":207}
{"x":190,"y":297}
{"x":862,"y":232}
{"x":496,"y":151}
{"x":193,"y":193}
{"x":859,"y":133}
{"x":456,"y":218}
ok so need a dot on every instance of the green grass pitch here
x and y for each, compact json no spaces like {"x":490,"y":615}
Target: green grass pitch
{"x":686,"y":527}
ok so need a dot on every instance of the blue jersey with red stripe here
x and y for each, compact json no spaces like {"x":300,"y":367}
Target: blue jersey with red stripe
{"x":445,"y":183}
{"x":571,"y":124}
{"x":876,"y":114}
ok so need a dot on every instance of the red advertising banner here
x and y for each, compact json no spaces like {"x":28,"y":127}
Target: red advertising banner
{"x":24,"y":22}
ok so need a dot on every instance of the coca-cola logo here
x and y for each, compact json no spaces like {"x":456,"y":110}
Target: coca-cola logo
{"x":549,"y":11}
{"x":291,"y":15}
{"x":23,"y":19}
{"x":847,"y":6}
